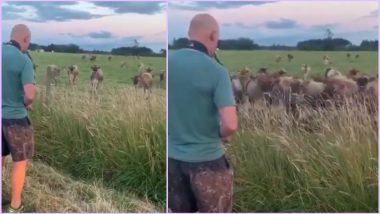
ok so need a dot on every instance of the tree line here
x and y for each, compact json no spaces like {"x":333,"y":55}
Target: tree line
{"x":327,"y":44}
{"x":73,"y":48}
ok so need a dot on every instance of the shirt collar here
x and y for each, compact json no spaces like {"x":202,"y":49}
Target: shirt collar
{"x":15,"y":44}
{"x":202,"y":48}
{"x":198,"y":46}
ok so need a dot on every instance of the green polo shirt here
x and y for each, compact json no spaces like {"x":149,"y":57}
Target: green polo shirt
{"x":197,"y":87}
{"x":16,"y":70}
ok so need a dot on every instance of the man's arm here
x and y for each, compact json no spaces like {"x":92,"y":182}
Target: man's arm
{"x":225,"y":102}
{"x":27,"y":79}
{"x":228,"y":122}
{"x":29,"y":94}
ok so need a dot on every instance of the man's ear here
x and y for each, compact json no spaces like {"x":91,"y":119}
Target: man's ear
{"x":26,"y":40}
{"x":213,"y":36}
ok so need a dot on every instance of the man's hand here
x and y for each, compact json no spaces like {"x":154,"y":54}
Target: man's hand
{"x":226,"y":139}
{"x":28,"y":107}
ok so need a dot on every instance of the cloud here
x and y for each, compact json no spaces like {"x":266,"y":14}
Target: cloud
{"x":203,"y":6}
{"x":239,"y":25}
{"x":94,"y":35}
{"x":12,"y":12}
{"x":130,"y":40}
{"x":133,"y":7}
{"x":324,"y":27}
{"x":31,"y":3}
{"x":63,"y":11}
{"x":290,"y":40}
{"x":100,"y":35}
{"x":281,"y":24}
{"x":372,"y":14}
{"x":46,"y":11}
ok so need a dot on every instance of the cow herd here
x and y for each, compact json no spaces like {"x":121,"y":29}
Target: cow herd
{"x":143,"y":79}
{"x":53,"y":72}
{"x":279,"y":88}
{"x":327,"y":61}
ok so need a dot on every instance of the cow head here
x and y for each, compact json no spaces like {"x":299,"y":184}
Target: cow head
{"x":95,"y":67}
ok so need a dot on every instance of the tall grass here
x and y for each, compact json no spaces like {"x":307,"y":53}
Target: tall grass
{"x":327,"y":161}
{"x":117,"y":137}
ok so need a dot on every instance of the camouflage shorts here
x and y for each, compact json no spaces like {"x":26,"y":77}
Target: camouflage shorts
{"x":200,"y":187}
{"x":17,"y":139}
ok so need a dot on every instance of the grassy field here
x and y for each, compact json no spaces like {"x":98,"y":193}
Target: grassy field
{"x":281,"y":167}
{"x":48,"y":190}
{"x":115,"y":139}
{"x":236,"y":60}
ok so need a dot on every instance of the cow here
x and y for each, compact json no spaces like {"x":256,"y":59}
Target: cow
{"x":144,"y":80}
{"x":290,"y":57}
{"x":72,"y":73}
{"x":96,"y":78}
{"x":278,"y":59}
{"x":162,"y":75}
{"x":123,"y":64}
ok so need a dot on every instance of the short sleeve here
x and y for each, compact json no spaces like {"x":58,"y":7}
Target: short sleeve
{"x":223,"y":94}
{"x":27,"y":73}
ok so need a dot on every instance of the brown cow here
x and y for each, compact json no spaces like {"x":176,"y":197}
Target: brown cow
{"x":306,"y":71}
{"x":163,"y":75}
{"x":327,"y":60}
{"x":144,"y":80}
{"x":92,"y":58}
{"x":353,"y":74}
{"x":72,"y":73}
{"x":290,"y":57}
{"x":123,"y":64}
{"x":96,"y":77}
{"x":237,"y":89}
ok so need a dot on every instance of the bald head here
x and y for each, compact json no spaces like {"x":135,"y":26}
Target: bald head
{"x":21,"y":34}
{"x":205,"y":29}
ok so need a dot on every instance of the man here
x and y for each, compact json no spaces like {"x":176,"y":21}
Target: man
{"x":18,"y":92}
{"x":202,"y":115}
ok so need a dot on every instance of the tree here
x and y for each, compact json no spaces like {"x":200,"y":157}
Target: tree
{"x":227,"y":44}
{"x":136,"y":43}
{"x":134,"y":51}
{"x":163,"y":52}
{"x":369,"y":45}
{"x":180,"y":43}
{"x":324,"y":44}
{"x":329,"y":34}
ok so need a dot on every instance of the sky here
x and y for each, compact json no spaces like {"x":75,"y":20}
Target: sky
{"x":91,"y":25}
{"x":281,"y":22}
